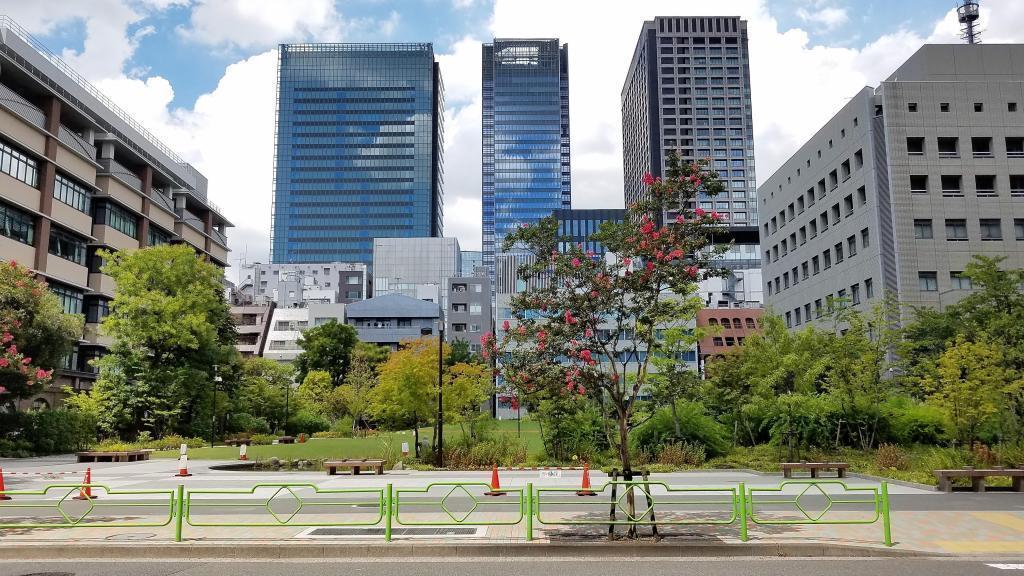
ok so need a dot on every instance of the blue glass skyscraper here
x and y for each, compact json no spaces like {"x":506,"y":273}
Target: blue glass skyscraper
{"x":359,"y":149}
{"x":525,"y":136}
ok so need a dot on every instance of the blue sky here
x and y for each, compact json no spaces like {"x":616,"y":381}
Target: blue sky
{"x":201,"y":73}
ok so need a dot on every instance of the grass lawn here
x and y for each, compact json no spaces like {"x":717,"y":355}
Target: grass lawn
{"x":369,"y":447}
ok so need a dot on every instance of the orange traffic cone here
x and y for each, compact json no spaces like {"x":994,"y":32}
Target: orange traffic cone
{"x":85,"y":492}
{"x":3,"y":496}
{"x":182,"y":467}
{"x":495,"y":483}
{"x":241,"y":452}
{"x":585,"y":487}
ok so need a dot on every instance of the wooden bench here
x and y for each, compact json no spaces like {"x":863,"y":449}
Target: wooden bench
{"x":286,"y":440}
{"x":978,"y":475}
{"x":355,"y":464}
{"x":814,"y":467}
{"x":118,"y":456}
{"x":238,"y":442}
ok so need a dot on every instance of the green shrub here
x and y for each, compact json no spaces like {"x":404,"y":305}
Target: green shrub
{"x":15,"y":448}
{"x":328,"y":434}
{"x":501,"y":451}
{"x":247,"y":423}
{"x":174,"y":442}
{"x":1011,"y":455}
{"x":306,"y":422}
{"x":890,"y":456}
{"x":696,"y":428}
{"x":263,"y":439}
{"x":58,"y":431}
{"x":682,"y":454}
{"x":342,"y":427}
{"x":911,"y":422}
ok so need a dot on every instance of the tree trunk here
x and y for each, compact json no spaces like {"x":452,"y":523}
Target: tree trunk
{"x":416,"y":436}
{"x":675,"y":420}
{"x":627,"y":471}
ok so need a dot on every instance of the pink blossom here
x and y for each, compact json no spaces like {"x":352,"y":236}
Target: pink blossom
{"x":679,"y":219}
{"x":691,"y":271}
{"x":521,"y":330}
{"x":576,"y":263}
{"x":581,"y":389}
{"x":697,"y":182}
{"x":26,"y":361}
{"x":13,"y":349}
{"x":4,"y":363}
{"x":699,"y":212}
{"x":525,"y":225}
{"x":569,"y":318}
{"x":659,"y":255}
{"x":593,"y":294}
{"x":627,"y":261}
{"x":590,"y":253}
{"x":585,"y":355}
{"x":647,"y":227}
{"x":542,"y":335}
{"x":2,"y":389}
{"x":7,"y":337}
{"x":505,"y":325}
{"x":715,"y":216}
{"x":14,"y":264}
{"x":648,"y":179}
{"x":588,"y":333}
{"x":650,"y":266}
{"x":40,"y":374}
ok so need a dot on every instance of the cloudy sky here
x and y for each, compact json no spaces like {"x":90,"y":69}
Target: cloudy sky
{"x":201,"y":74}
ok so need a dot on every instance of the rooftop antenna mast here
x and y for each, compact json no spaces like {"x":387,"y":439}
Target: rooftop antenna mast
{"x":967,"y":15}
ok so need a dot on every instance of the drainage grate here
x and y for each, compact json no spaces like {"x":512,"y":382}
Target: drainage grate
{"x":422,"y":532}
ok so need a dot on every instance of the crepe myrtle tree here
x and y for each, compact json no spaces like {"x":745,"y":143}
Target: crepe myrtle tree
{"x":584,"y":322}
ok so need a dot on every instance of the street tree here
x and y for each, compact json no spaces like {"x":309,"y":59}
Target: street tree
{"x":585,"y":322}
{"x":406,"y":392}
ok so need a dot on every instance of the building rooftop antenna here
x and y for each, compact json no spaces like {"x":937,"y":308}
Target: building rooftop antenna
{"x":967,"y":15}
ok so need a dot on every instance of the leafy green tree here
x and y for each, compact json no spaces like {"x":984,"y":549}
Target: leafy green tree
{"x":466,"y":387}
{"x":35,"y":333}
{"x":316,"y":393}
{"x":406,"y":394}
{"x":586,"y":321}
{"x":674,"y":381}
{"x":356,"y":395}
{"x":972,"y":385}
{"x":261,"y":393}
{"x":327,"y":347}
{"x":171,"y":328}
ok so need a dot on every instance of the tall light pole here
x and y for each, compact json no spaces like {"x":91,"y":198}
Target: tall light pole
{"x":213,"y":418}
{"x":440,"y":403}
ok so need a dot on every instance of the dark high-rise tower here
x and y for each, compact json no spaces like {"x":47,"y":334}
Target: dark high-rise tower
{"x":525,"y":136}
{"x":359,"y":149}
{"x":688,"y":91}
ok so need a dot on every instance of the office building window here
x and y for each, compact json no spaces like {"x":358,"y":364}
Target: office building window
{"x":959,"y":281}
{"x":474,"y":309}
{"x":927,"y":281}
{"x":67,"y":246}
{"x":956,"y":230}
{"x":158,"y":237}
{"x":918,"y":184}
{"x":991,"y":229}
{"x":865,"y":238}
{"x":352,"y":280}
{"x":118,"y":218}
{"x":869,"y":288}
{"x":70,"y":299}
{"x":17,"y":225}
{"x":923,"y":229}
{"x":72,"y":193}
{"x":1018,"y":228}
{"x":855,"y":294}
{"x":18,"y":165}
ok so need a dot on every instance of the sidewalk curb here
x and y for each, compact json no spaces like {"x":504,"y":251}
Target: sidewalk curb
{"x":906,"y":483}
{"x":260,"y":550}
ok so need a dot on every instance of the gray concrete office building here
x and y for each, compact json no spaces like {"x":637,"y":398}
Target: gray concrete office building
{"x":902,"y":187}
{"x":688,"y":91}
{"x":468,"y":316}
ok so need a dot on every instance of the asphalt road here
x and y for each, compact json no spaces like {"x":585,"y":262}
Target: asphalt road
{"x":495,"y":567}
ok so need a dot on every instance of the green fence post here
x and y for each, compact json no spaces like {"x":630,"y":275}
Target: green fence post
{"x":387,"y":513}
{"x":885,"y":513}
{"x":529,"y":511}
{"x":179,"y":511}
{"x":742,"y":501}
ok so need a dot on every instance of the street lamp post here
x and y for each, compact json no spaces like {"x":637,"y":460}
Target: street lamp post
{"x":287,"y":393}
{"x":440,"y":405}
{"x":213,"y":417}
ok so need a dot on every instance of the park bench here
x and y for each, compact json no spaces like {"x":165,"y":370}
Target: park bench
{"x":238,"y":441}
{"x":978,"y":475}
{"x":355,"y":464}
{"x":814,"y":467}
{"x":286,"y":440}
{"x":115,"y":456}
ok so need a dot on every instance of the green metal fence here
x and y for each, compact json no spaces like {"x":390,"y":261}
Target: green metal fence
{"x":71,"y":510}
{"x":454,"y":504}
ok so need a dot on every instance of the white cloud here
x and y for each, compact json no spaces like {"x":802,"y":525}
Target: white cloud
{"x":826,"y":17}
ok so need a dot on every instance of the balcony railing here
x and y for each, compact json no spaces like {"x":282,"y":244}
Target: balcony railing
{"x":193,"y":220}
{"x":15,"y":103}
{"x":110,"y":166}
{"x":76,"y":142}
{"x":160,"y":198}
{"x":219,"y":236}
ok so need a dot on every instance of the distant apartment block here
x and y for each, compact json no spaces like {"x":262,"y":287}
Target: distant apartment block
{"x":688,"y":91}
{"x":469,"y":315}
{"x":392,"y":319}
{"x":901,"y":188}
{"x":79,"y":175}
{"x":288,"y":324}
{"x":290,"y":285}
{"x":726,"y":329}
{"x":252,"y":326}
{"x":359,"y":149}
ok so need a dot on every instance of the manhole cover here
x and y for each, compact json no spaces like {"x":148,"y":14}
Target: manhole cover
{"x":131,"y":536}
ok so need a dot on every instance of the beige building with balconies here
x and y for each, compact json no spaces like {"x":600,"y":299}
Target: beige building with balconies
{"x":79,"y":175}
